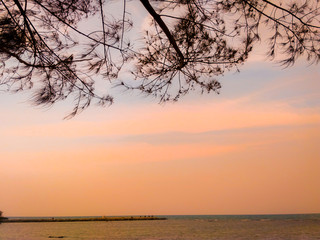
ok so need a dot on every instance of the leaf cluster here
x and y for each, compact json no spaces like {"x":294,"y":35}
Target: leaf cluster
{"x":188,"y":44}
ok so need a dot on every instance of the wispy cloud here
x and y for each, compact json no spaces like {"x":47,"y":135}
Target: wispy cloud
{"x":253,"y":148}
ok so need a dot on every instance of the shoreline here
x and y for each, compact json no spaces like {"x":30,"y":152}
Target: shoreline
{"x":87,"y":219}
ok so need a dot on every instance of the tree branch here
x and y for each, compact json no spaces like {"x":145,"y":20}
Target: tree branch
{"x":165,"y":29}
{"x":290,"y":13}
{"x":26,"y":19}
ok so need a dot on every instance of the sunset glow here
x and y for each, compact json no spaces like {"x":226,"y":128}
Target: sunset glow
{"x":252,"y":149}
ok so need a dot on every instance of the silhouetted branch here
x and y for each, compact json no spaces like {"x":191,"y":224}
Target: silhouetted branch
{"x":41,"y":47}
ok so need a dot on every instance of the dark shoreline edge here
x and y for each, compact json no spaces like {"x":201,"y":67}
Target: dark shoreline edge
{"x":3,"y":219}
{"x":105,"y":219}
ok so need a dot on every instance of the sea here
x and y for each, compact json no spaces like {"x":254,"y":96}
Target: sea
{"x":195,"y":227}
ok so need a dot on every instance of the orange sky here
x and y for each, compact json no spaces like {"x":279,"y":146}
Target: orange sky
{"x":253,"y":149}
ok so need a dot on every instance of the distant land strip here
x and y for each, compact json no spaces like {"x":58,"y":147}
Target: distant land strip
{"x":88,"y":219}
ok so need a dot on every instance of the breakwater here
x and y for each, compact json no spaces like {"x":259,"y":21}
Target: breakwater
{"x":81,"y":219}
{"x":3,"y":219}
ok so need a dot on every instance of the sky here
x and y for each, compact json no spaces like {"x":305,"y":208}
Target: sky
{"x":252,"y":149}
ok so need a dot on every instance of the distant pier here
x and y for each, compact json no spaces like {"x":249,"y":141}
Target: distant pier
{"x":80,"y":219}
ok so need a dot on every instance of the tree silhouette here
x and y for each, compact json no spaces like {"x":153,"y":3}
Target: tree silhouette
{"x":1,"y":217}
{"x":187,"y":45}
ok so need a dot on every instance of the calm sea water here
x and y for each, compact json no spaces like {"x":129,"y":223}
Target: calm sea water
{"x":176,"y":227}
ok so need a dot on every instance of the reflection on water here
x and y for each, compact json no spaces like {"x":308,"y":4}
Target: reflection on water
{"x":193,"y":228}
